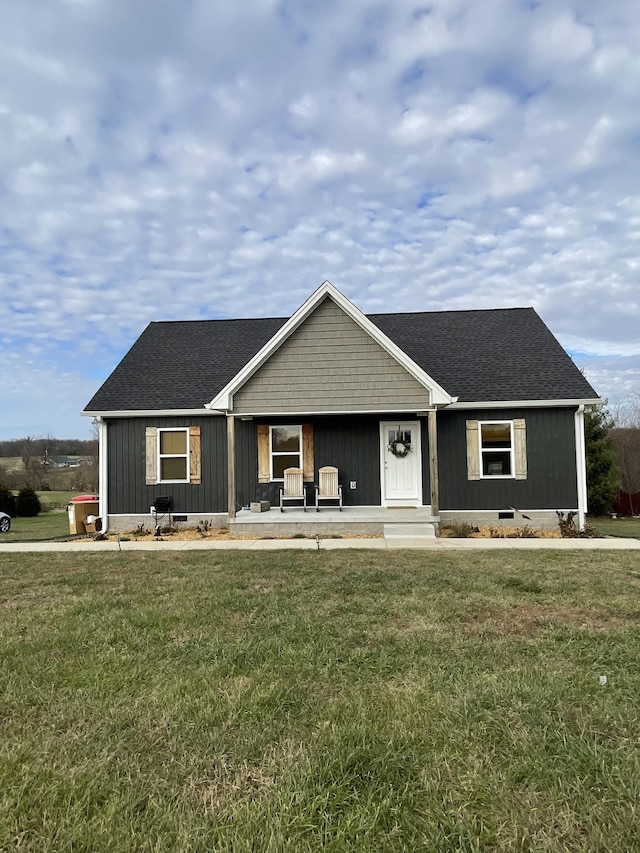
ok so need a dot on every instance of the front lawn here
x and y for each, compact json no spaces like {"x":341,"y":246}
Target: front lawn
{"x":624,"y":527}
{"x":319,"y":701}
{"x":56,"y":500}
{"x":47,"y":525}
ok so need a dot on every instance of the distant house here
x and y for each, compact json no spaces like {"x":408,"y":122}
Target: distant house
{"x":67,"y":462}
{"x":470,"y":415}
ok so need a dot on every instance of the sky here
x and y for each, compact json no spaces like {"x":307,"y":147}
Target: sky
{"x":194,"y":159}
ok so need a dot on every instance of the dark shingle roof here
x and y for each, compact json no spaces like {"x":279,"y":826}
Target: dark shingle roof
{"x":483,"y":355}
{"x":182,"y":364}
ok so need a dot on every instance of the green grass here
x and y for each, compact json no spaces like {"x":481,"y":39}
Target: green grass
{"x":47,"y":525}
{"x":56,"y":499}
{"x":52,"y":524}
{"x":625,"y":527}
{"x":319,"y":701}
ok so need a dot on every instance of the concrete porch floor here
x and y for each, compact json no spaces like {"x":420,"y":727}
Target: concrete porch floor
{"x":329,"y":521}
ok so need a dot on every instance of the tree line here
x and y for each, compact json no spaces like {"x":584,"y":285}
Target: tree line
{"x":39,"y":469}
{"x":28,"y":447}
{"x":625,"y":439}
{"x":612,"y":437}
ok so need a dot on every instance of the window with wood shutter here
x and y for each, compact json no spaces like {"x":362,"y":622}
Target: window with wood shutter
{"x":172,"y":455}
{"x":284,"y":446}
{"x":496,"y":449}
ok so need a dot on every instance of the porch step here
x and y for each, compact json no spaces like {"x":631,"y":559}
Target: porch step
{"x":397,"y":530}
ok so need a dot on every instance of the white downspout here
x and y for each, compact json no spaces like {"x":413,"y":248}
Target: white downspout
{"x":581,"y":466}
{"x":103,"y":507}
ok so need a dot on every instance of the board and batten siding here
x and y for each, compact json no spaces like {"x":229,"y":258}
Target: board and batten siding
{"x":350,"y":443}
{"x":128,"y":490}
{"x":551,"y":462}
{"x":330,"y":364}
{"x":353,"y":446}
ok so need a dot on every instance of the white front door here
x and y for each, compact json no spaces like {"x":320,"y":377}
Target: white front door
{"x":401,"y":463}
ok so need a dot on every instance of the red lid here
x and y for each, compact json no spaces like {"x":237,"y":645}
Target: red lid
{"x":80,"y":498}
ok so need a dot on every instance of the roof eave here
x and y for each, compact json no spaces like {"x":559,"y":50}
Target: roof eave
{"x":149,"y":413}
{"x":526,"y":404}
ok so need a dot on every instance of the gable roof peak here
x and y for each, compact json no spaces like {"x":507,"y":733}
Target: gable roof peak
{"x":224,"y":399}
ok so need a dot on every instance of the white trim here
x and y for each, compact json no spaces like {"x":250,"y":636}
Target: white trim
{"x":581,"y":466}
{"x":273,"y":479}
{"x":161,"y":413}
{"x":415,"y":501}
{"x":224,"y":398}
{"x":483,"y":404}
{"x":482,"y":450}
{"x":419,"y":413}
{"x":524,"y":404}
{"x":150,"y":413}
{"x":161,"y":456}
{"x":103,"y":476}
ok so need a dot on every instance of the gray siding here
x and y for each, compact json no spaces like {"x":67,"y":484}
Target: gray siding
{"x":351,"y":443}
{"x":330,"y":364}
{"x":128,"y":491}
{"x":551,"y":458}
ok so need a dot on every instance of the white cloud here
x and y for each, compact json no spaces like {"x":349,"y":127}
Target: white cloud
{"x":160,"y":160}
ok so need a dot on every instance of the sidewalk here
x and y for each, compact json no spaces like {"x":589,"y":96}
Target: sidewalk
{"x":414,"y":542}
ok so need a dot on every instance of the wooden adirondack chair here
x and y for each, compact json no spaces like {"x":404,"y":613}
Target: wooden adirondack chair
{"x":328,"y":488}
{"x":293,"y":488}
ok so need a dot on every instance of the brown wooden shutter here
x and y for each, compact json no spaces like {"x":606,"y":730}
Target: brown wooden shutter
{"x":263,"y":453}
{"x":308,"y":465}
{"x":473,"y":451}
{"x":520,"y":448}
{"x":151,"y":450}
{"x":195,"y":463}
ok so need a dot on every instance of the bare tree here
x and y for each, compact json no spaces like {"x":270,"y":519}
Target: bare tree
{"x":625,"y":412}
{"x":27,"y":450}
{"x":626,"y":445}
{"x":626,"y":442}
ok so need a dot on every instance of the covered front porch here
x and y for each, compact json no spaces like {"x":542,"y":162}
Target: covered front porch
{"x":329,"y":521}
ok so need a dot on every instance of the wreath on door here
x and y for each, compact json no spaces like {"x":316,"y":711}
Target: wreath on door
{"x":400,"y":447}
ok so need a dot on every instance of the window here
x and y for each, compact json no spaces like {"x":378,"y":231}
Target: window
{"x":173,"y":455}
{"x":496,"y":448}
{"x":294,"y":442}
{"x":285,"y":449}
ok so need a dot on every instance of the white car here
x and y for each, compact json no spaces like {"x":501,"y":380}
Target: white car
{"x":5,"y":522}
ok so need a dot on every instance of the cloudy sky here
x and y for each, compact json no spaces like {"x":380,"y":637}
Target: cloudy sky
{"x":187,"y":159}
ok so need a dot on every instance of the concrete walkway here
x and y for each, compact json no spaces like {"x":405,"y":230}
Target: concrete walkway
{"x":425,"y":543}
